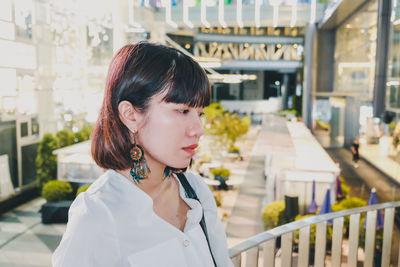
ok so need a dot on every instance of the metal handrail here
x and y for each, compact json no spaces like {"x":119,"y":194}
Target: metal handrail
{"x":269,"y":235}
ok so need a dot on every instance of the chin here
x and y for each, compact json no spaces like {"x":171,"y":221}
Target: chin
{"x":180,"y":165}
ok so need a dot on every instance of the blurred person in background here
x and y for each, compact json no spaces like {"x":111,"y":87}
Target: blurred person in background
{"x":355,"y":151}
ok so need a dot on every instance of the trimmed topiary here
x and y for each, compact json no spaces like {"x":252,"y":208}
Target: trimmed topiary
{"x":57,"y":190}
{"x":82,"y":189}
{"x":222,"y":172}
{"x":271,"y":214}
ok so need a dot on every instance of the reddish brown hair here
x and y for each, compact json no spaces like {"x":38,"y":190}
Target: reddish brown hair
{"x":136,"y":73}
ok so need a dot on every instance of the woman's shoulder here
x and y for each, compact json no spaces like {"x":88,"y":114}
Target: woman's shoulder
{"x":110,"y":183}
{"x":100,"y":195}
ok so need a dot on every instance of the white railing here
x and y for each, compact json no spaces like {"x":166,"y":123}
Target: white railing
{"x":260,"y":250}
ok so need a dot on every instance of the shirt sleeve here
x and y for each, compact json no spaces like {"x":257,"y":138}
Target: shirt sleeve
{"x":215,"y":228}
{"x":90,"y":237}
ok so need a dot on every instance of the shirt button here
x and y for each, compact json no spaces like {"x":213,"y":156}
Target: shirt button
{"x":186,"y":243}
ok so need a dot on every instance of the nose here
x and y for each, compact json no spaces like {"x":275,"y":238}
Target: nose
{"x":196,"y":127}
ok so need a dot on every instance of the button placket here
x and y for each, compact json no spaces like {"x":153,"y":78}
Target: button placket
{"x":186,"y":243}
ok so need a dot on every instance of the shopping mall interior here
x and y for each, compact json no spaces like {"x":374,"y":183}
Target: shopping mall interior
{"x":311,"y":77}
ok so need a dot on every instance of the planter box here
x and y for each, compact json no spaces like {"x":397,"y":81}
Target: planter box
{"x":55,"y":212}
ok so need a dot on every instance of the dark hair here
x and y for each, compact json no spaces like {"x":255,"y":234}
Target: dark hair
{"x":136,"y":73}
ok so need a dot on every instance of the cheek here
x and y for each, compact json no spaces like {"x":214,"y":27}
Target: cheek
{"x":162,"y":135}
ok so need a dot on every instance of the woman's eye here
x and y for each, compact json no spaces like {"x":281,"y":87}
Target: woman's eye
{"x":201,"y":114}
{"x":184,"y":111}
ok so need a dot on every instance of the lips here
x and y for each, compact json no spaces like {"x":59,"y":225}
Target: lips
{"x":190,"y":149}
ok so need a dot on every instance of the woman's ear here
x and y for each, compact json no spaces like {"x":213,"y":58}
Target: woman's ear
{"x":128,"y":115}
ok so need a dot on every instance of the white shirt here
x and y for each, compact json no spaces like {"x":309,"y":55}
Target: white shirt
{"x":113,"y":224}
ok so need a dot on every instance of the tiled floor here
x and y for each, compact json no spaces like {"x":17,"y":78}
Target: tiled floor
{"x":381,"y":156}
{"x":24,"y":241}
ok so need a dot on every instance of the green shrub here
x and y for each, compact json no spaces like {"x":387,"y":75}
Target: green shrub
{"x":82,"y":189}
{"x":222,"y":172}
{"x":323,"y":125}
{"x":46,"y":162}
{"x":83,"y":134}
{"x":288,"y":111}
{"x":218,"y":199}
{"x":65,"y":138}
{"x":345,"y":188}
{"x":298,"y":102}
{"x":57,"y":190}
{"x":395,"y":140}
{"x":392,"y":127}
{"x":234,"y":149}
{"x":272,"y":214}
{"x":349,"y":203}
{"x":313,"y":232}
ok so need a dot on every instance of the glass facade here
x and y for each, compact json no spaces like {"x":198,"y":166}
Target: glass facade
{"x":355,"y":50}
{"x":393,"y":81}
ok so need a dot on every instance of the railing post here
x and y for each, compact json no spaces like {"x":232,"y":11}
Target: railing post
{"x":387,"y":236}
{"x":370,"y":238}
{"x":269,"y":253}
{"x":353,"y":239}
{"x":252,"y":257}
{"x":237,"y":261}
{"x":287,"y":246}
{"x":320,"y":245}
{"x":337,"y":238}
{"x":304,"y":246}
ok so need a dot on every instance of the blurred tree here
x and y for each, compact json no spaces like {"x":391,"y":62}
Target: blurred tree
{"x":228,"y":127}
{"x":83,"y":134}
{"x":65,"y":138}
{"x":46,"y":162}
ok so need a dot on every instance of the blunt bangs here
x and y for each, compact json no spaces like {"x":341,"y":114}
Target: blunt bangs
{"x":165,"y":71}
{"x":187,"y":83}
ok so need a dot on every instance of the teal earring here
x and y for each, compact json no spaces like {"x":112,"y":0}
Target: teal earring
{"x":139,"y":170}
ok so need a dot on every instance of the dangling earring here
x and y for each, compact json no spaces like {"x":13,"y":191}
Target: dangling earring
{"x":140,"y":170}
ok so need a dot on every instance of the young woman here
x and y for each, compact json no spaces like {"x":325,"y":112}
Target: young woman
{"x":139,"y":213}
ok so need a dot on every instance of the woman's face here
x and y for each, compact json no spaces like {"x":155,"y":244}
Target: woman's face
{"x":169,"y":132}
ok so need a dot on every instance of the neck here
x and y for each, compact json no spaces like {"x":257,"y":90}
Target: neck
{"x":156,"y":175}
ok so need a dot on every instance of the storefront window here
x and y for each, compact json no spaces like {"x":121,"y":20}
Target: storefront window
{"x":393,"y":84}
{"x":355,"y":52}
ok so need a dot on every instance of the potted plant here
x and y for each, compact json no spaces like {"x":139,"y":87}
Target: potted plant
{"x":273,"y":215}
{"x":221,"y":175}
{"x":58,"y":195}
